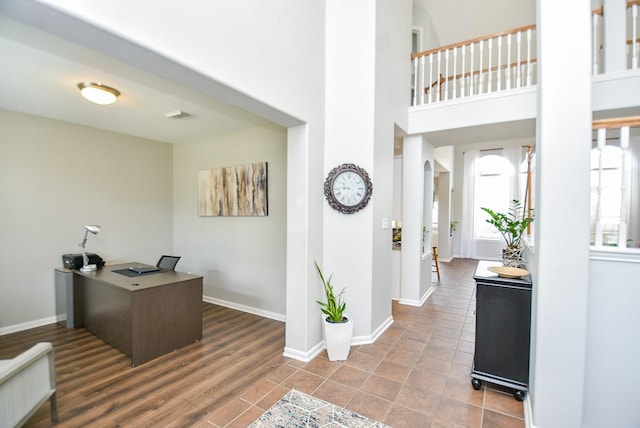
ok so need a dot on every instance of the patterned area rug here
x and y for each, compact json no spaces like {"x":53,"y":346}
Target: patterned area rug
{"x":298,"y":410}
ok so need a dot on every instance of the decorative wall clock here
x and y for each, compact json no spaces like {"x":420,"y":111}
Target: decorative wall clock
{"x":348,"y":188}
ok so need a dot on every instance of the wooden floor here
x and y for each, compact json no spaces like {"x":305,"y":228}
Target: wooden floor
{"x":416,"y":374}
{"x":98,"y":387}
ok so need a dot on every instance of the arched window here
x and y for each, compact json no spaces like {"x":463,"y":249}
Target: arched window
{"x":492,"y":179}
{"x":606,"y":196}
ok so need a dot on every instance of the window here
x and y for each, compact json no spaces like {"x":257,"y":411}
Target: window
{"x":606,"y":195}
{"x":492,"y":191}
{"x":499,"y":180}
{"x":492,"y":179}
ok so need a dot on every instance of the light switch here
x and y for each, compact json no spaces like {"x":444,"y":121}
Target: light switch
{"x":385,"y":223}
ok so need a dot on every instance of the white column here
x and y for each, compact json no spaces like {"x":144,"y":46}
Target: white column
{"x":561,"y":262}
{"x":349,"y":136}
{"x":614,"y":21}
{"x":304,"y":244}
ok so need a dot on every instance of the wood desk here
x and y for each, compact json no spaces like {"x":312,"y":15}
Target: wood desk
{"x":143,"y":316}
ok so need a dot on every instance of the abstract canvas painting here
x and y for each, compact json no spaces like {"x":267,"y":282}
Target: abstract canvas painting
{"x":239,"y":190}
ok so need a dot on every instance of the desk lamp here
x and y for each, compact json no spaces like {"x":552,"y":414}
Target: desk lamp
{"x":86,"y":267}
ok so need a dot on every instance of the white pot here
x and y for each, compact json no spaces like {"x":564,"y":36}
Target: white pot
{"x":337,"y":337}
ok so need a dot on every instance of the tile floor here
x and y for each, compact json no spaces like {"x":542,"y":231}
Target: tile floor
{"x":415,"y":375}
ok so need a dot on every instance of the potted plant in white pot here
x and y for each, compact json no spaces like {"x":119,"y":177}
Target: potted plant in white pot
{"x":337,"y":325}
{"x":511,"y":226}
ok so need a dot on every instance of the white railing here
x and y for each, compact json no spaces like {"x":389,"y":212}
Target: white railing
{"x":484,"y":65}
{"x":632,"y":33}
{"x":633,"y":42}
{"x":502,"y":61}
{"x":613,"y":195}
{"x":597,"y":41}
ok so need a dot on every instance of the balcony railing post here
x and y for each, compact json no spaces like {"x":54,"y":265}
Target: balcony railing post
{"x":480,"y":69}
{"x":498,"y":69}
{"x":624,"y":188}
{"x":438,"y":98}
{"x":422,"y":73}
{"x":508,"y":69}
{"x":601,"y":141}
{"x":416,"y":88}
{"x":594,"y":43}
{"x":529,"y":57}
{"x":489,"y":72}
{"x":519,"y":66}
{"x":455,"y":83}
{"x":429,"y":96}
{"x":446,"y":73}
{"x":635,"y":45}
{"x":464,"y":79}
{"x":471,"y":74}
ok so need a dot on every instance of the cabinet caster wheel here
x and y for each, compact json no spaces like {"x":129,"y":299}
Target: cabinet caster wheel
{"x":519,"y":395}
{"x":476,"y":383}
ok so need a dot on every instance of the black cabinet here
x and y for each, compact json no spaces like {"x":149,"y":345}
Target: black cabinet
{"x":503,"y":325}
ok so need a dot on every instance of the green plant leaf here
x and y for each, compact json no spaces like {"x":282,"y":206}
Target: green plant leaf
{"x":334,"y":307}
{"x":511,"y":225}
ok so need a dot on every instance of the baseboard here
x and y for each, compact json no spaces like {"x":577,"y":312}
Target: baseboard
{"x":355,"y":341}
{"x":418,"y":303}
{"x":28,"y":325}
{"x":52,"y":320}
{"x":527,"y":412}
{"x":371,"y":338}
{"x":382,"y":328}
{"x":243,"y":308}
{"x":305,"y":357}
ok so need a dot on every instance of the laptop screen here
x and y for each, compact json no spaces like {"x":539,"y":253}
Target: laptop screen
{"x":168,"y":262}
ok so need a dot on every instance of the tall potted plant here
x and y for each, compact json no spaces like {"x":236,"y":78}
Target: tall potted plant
{"x":337,"y":325}
{"x":511,"y":226}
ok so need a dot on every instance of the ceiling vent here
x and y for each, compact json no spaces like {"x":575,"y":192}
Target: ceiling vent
{"x":177,"y":114}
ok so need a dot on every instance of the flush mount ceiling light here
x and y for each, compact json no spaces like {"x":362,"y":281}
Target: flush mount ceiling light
{"x":98,"y":93}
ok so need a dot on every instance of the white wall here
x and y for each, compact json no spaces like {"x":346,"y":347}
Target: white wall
{"x":56,"y":178}
{"x":518,"y":106}
{"x":349,"y":135}
{"x":422,"y":20}
{"x":242,"y":259}
{"x":267,"y":59}
{"x":445,"y":157}
{"x":426,"y":228}
{"x":560,"y":292}
{"x":396,"y":263}
{"x":392,"y":87}
{"x":367,"y":83}
{"x":416,"y":266}
{"x":611,"y":382}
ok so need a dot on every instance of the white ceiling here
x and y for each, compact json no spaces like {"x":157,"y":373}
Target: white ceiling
{"x":40,"y":71}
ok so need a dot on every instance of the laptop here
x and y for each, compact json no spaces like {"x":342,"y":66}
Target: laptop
{"x":144,"y":269}
{"x":165,"y":263}
{"x":168,"y":262}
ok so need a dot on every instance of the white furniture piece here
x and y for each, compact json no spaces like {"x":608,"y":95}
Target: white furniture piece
{"x":26,"y":382}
